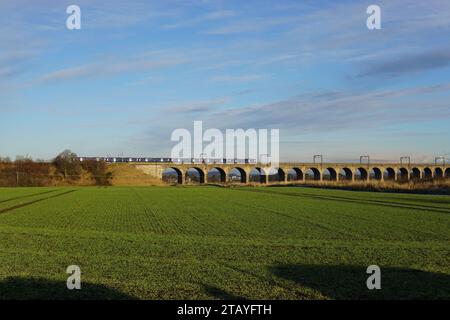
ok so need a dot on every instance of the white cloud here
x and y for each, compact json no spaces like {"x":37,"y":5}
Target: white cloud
{"x":120,"y":66}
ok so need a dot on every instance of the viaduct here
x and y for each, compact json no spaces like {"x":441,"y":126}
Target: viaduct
{"x":297,"y":172}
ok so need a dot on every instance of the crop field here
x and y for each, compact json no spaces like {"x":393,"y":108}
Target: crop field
{"x":222,"y":243}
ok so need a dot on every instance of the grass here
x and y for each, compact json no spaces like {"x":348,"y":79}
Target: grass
{"x":219,"y":243}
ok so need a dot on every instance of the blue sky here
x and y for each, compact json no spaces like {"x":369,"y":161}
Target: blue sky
{"x":137,"y":70}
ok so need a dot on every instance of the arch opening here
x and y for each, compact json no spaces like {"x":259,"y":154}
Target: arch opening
{"x":402,"y":175}
{"x":312,"y":174}
{"x":415,"y":174}
{"x":447,"y":173}
{"x":389,"y":174}
{"x":257,"y":175}
{"x":361,"y":174}
{"x":438,"y":173}
{"x":172,"y":176}
{"x":294,"y":174}
{"x":237,"y":175}
{"x":195,"y":176}
{"x":329,"y":174}
{"x":276,"y":175}
{"x":345,"y":174}
{"x":216,"y":175}
{"x":375,"y":174}
{"x":427,"y":173}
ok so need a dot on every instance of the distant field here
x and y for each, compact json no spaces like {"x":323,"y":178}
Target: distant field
{"x":215,"y":243}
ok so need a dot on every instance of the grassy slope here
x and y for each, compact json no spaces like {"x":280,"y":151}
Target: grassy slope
{"x":207,"y":242}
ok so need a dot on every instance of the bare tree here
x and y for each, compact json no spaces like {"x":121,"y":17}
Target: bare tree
{"x":68,"y":165}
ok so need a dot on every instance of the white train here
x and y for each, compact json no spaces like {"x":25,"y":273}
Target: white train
{"x":166,"y":160}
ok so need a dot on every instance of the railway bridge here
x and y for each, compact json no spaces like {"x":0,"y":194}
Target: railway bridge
{"x":295,"y":172}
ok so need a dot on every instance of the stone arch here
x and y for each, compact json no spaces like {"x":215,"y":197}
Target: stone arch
{"x":240,"y":173}
{"x":312,"y":174}
{"x":438,"y":173}
{"x":402,"y":174}
{"x":415,"y":174}
{"x":294,"y":174}
{"x":195,"y":174}
{"x":389,"y":174}
{"x":427,"y":173}
{"x":172,"y":175}
{"x":329,"y":174}
{"x":346,"y":174}
{"x":375,"y":174}
{"x":216,"y":174}
{"x":361,"y":174}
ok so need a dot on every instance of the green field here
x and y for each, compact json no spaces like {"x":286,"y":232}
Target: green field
{"x":222,"y":243}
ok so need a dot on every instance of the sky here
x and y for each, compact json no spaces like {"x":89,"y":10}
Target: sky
{"x":137,"y":70}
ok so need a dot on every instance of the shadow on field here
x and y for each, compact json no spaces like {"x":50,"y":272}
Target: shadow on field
{"x":21,"y":205}
{"x":27,"y":196}
{"x":349,"y":282}
{"x":43,"y":289}
{"x":220,"y":293}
